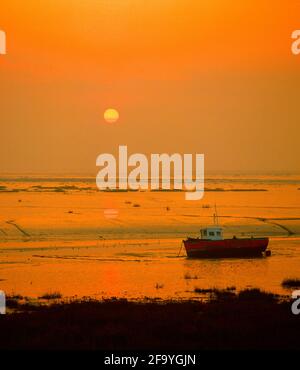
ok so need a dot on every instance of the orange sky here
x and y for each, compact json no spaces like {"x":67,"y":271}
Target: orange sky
{"x":208,"y":76}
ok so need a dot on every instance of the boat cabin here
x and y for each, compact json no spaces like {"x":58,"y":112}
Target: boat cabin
{"x":212,"y":233}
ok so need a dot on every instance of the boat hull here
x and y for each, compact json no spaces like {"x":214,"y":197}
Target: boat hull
{"x":247,"y":247}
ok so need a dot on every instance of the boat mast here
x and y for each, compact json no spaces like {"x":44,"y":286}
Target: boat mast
{"x":216,"y":220}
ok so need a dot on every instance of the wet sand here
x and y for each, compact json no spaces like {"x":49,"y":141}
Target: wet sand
{"x":62,"y":234}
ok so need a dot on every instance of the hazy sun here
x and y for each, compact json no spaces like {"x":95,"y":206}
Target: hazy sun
{"x":111,"y":115}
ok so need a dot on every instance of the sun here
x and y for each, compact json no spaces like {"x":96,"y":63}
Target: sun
{"x":111,"y":115}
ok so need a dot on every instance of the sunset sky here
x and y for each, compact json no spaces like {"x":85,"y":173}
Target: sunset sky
{"x":207,"y":76}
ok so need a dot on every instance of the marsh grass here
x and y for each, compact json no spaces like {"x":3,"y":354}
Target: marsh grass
{"x":250,"y":319}
{"x":51,"y":295}
{"x":291,"y":283}
{"x":188,"y":276}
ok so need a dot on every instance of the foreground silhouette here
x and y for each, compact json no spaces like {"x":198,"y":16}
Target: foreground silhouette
{"x":248,"y":320}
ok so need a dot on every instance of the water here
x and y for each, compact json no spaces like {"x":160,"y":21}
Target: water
{"x":62,"y":234}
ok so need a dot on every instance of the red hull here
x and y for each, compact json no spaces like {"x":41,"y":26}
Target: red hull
{"x":203,"y":248}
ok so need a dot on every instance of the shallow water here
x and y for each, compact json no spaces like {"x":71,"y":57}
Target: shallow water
{"x":83,"y":242}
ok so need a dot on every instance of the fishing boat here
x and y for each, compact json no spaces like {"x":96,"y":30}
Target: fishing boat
{"x":211,"y":244}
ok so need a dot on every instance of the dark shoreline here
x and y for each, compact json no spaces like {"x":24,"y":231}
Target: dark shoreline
{"x":250,"y":319}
